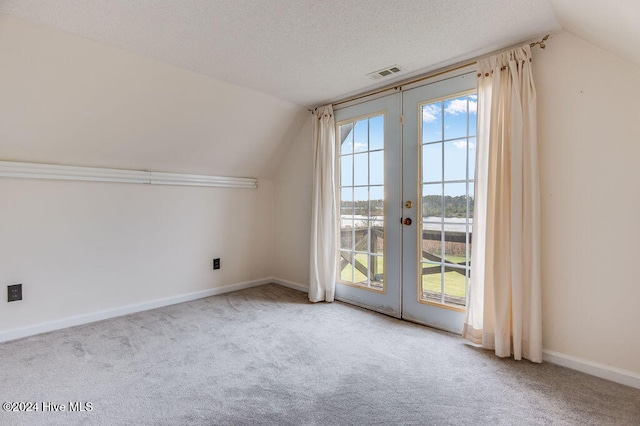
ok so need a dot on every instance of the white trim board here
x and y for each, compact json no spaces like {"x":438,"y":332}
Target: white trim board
{"x":45,"y":327}
{"x":603,"y":371}
{"x":94,"y":174}
{"x":614,"y":374}
{"x":290,"y":284}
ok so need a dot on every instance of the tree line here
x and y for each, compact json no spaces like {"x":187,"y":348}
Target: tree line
{"x":431,"y":206}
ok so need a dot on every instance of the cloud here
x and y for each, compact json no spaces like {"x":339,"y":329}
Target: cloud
{"x":463,"y":145}
{"x":430,"y":113}
{"x":459,"y":106}
{"x":360,"y":146}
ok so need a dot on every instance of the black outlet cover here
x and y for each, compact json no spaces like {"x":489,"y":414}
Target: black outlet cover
{"x":14,"y":292}
{"x":216,"y":263}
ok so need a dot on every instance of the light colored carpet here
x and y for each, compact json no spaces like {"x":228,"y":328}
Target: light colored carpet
{"x":267,"y":356}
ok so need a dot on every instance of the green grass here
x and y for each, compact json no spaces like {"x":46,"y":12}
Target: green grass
{"x":345,"y":274}
{"x":455,"y":284}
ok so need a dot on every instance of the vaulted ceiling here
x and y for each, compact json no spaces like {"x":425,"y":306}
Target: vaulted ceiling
{"x":300,"y":53}
{"x":303,"y":51}
{"x":308,"y":52}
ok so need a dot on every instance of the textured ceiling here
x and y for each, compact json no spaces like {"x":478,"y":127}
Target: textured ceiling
{"x":303,"y":51}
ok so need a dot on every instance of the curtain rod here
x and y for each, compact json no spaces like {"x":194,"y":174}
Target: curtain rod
{"x":395,"y":86}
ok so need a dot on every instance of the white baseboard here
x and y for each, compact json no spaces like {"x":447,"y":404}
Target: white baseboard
{"x":603,"y":371}
{"x":290,"y":284}
{"x":45,"y":327}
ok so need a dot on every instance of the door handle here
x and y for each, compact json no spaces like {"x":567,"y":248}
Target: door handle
{"x":406,"y":221}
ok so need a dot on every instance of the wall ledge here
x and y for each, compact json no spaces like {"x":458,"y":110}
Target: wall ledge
{"x":614,"y":374}
{"x":10,"y":169}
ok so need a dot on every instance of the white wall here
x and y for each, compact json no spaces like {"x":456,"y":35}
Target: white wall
{"x":589,"y":136}
{"x":293,"y":210}
{"x":78,"y":247}
{"x":81,"y":247}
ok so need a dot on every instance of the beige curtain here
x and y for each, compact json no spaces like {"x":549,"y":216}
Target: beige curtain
{"x":324,"y":228}
{"x":504,"y":307}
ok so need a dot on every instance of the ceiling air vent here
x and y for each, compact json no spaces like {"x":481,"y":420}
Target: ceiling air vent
{"x":385,"y":72}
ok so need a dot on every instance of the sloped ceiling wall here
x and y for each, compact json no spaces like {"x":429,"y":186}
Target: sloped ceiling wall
{"x":611,"y":25}
{"x":69,"y":100}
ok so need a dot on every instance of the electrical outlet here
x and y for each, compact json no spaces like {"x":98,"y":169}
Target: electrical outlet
{"x":14,"y":292}
{"x":216,"y":263}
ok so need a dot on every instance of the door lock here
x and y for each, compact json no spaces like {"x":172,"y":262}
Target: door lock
{"x":407,"y":221}
{"x":408,"y":204}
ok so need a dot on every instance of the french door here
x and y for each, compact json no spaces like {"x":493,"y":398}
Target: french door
{"x":406,"y":177}
{"x":370,"y":184}
{"x":438,"y":174}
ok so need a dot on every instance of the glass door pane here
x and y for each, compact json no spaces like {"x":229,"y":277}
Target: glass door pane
{"x":362,"y":203}
{"x":447,"y":194}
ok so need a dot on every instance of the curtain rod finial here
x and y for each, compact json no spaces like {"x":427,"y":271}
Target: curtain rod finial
{"x":541,"y":42}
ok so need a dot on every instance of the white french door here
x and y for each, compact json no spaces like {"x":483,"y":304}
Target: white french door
{"x":370,"y":183}
{"x":406,"y":202}
{"x":438,"y":173}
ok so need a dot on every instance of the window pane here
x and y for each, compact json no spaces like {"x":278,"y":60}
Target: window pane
{"x":346,"y":267}
{"x":361,"y":268}
{"x":376,"y":132}
{"x":361,"y":136}
{"x":455,"y":286}
{"x":346,"y":170}
{"x":471,"y":200}
{"x":376,"y":203}
{"x":473,"y":103}
{"x":455,"y":160}
{"x":472,"y":158}
{"x":455,"y":201}
{"x":361,"y":232}
{"x":376,"y":170}
{"x":455,"y":246}
{"x":432,"y":162}
{"x":377,"y":238}
{"x":431,"y":282}
{"x":346,"y":136}
{"x":432,"y":122}
{"x":361,"y":202}
{"x":346,"y":234}
{"x":346,"y":201}
{"x":432,"y":202}
{"x":361,"y":169}
{"x":432,"y":242}
{"x":455,"y":118}
{"x":376,"y":270}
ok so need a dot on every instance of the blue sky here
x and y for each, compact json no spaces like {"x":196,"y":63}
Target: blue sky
{"x":444,"y":131}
